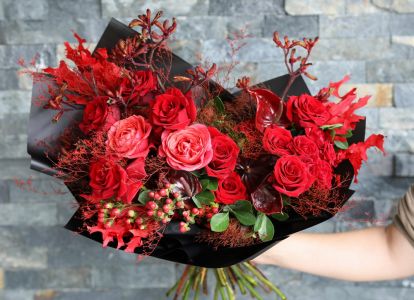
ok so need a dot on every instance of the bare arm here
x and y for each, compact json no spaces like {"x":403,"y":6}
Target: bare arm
{"x":378,"y":253}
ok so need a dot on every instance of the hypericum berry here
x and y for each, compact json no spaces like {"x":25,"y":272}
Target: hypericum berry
{"x":180,"y":204}
{"x":166,"y":208}
{"x":215,"y":210}
{"x":109,"y":205}
{"x":129,"y":221}
{"x":142,"y":227}
{"x":183,"y":229}
{"x":185,"y":214}
{"x":195,"y":211}
{"x":201,"y":212}
{"x":157,"y":196}
{"x":165,"y":220}
{"x":151,"y":194}
{"x":116,"y":212}
{"x":183,"y":224}
{"x":152,"y":205}
{"x":167,"y":185}
{"x":168,"y":201}
{"x":163,"y":192}
{"x":176,"y":195}
{"x":160,"y":213}
{"x":150,"y":213}
{"x":132,"y":213}
{"x":209,"y":215}
{"x":139,"y":221}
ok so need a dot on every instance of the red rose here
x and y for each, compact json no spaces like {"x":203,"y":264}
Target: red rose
{"x":98,"y":115}
{"x":328,"y":153}
{"x":230,"y":189}
{"x":292,"y":176}
{"x":136,"y":172}
{"x":322,"y":171}
{"x":306,"y":111}
{"x":225,"y":153}
{"x":137,"y":86}
{"x":276,"y":140}
{"x":107,"y":179}
{"x":172,"y":110}
{"x":303,"y":145}
{"x":187,"y":149}
{"x":129,"y":137}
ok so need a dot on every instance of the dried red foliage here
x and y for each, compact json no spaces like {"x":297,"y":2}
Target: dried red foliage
{"x":236,"y":235}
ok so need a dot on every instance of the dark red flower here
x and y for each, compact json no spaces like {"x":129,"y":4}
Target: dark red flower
{"x":137,"y":86}
{"x":230,"y":189}
{"x":306,"y":111}
{"x":172,"y":110}
{"x":107,"y":179}
{"x":303,"y":145}
{"x":292,"y":176}
{"x":276,"y":140}
{"x":225,"y":153}
{"x":98,"y":115}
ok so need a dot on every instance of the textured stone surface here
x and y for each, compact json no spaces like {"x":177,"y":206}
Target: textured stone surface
{"x":381,"y":94}
{"x":372,"y":40}
{"x":26,"y":10}
{"x":403,"y":95}
{"x":245,"y":7}
{"x":390,"y":71}
{"x":312,"y":7}
{"x":404,"y":165}
{"x":401,"y":6}
{"x":396,"y":118}
{"x":301,"y":26}
{"x":351,"y":27}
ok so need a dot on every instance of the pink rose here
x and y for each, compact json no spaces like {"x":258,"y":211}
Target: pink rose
{"x":187,"y":149}
{"x":129,"y":137}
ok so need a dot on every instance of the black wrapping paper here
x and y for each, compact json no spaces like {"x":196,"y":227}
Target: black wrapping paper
{"x":43,"y":141}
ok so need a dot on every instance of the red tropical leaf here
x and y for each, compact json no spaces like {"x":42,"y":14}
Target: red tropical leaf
{"x":266,"y":199}
{"x":269,"y":108}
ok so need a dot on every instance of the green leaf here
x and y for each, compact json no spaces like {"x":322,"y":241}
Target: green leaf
{"x":347,"y":135}
{"x":242,"y":205}
{"x":205,"y":197}
{"x":219,"y":222}
{"x":213,"y":184}
{"x":204,"y":183}
{"x":341,"y":145}
{"x":264,"y":227}
{"x":246,"y":218}
{"x":280,"y":217}
{"x":219,"y":105}
{"x":144,"y":197}
{"x":331,"y":126}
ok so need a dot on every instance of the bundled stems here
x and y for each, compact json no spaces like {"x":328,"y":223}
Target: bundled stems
{"x":245,"y":277}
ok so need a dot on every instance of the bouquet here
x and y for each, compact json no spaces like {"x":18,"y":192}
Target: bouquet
{"x":164,"y":161}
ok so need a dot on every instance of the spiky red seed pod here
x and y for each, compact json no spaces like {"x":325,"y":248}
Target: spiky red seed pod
{"x":163,"y":192}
